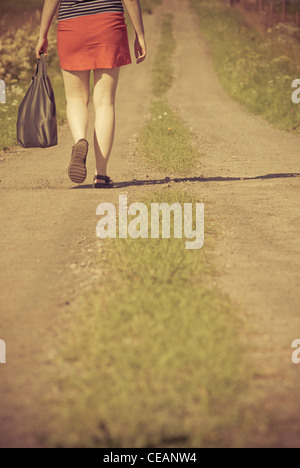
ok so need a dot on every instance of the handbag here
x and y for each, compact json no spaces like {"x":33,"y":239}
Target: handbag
{"x":37,"y":123}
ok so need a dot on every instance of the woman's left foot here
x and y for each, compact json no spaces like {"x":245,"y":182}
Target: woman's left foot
{"x":103,"y":182}
{"x":77,"y":168}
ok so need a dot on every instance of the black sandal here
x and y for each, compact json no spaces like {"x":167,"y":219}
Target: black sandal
{"x":108,"y":183}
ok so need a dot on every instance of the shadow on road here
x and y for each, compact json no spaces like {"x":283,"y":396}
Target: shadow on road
{"x":167,"y":180}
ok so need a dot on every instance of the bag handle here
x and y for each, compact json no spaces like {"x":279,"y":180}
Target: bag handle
{"x":41,"y":67}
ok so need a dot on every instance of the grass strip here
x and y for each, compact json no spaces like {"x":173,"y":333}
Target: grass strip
{"x":166,"y":142}
{"x":152,"y":359}
{"x":255,"y":68}
{"x":162,"y":72}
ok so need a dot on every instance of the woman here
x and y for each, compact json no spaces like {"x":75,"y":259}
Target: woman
{"x":92,"y":35}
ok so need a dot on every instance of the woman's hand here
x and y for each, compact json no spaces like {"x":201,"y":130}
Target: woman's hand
{"x":140,"y":49}
{"x":42,"y":47}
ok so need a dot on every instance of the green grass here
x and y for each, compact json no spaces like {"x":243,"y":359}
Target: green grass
{"x":166,"y":142}
{"x":162,"y":73}
{"x":152,"y":357}
{"x":256,"y":68}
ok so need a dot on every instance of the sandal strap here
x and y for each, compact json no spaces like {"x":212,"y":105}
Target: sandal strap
{"x":84,"y":141}
{"x":106,"y":179}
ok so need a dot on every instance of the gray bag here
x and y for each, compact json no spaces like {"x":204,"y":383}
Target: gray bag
{"x":37,"y":125}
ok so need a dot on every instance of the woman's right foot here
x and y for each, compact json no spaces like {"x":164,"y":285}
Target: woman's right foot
{"x":103,"y":182}
{"x":77,"y":168}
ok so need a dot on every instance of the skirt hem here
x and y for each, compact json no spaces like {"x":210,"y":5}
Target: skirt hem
{"x":96,"y":66}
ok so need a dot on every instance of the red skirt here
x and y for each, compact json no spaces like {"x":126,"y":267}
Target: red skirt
{"x":93,"y":41}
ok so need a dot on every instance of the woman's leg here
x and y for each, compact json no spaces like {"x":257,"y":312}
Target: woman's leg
{"x":77,"y":87}
{"x":106,"y":82}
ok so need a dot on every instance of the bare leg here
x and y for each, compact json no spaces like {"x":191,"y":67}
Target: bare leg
{"x":77,"y":87}
{"x":106,"y":82}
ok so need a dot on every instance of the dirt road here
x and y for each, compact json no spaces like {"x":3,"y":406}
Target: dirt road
{"x":49,"y":250}
{"x":49,"y":253}
{"x":258,"y":221}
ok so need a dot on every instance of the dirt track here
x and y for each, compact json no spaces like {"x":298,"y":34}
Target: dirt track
{"x":50,"y":253}
{"x":258,"y":221}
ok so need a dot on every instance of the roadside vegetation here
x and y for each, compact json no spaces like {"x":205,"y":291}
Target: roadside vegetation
{"x":257,"y":68}
{"x":18,"y":63}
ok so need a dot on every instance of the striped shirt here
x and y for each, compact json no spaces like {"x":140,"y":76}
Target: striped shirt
{"x":73,"y":9}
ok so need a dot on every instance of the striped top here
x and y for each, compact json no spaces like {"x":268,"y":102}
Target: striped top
{"x":73,"y":9}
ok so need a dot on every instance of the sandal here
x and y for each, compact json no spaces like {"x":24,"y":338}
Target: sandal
{"x":108,"y":183}
{"x":77,"y":168}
